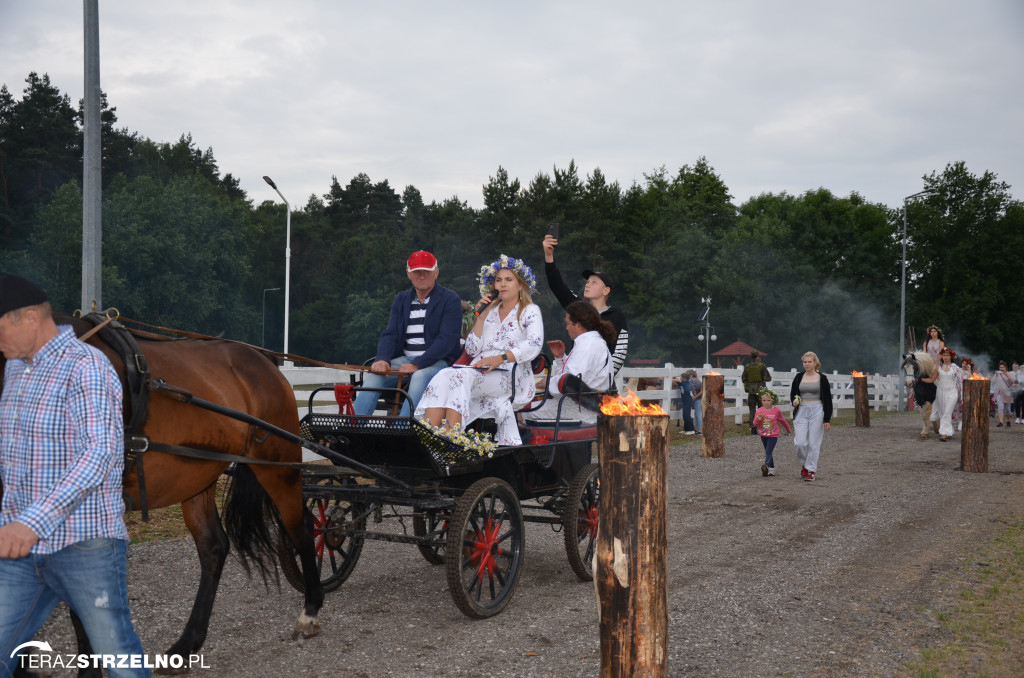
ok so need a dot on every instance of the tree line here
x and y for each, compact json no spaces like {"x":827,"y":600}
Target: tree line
{"x":184,"y":246}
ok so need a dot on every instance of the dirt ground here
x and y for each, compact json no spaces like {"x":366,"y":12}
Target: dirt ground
{"x":767,"y":576}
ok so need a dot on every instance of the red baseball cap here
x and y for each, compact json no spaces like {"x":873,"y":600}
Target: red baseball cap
{"x":421,"y":261}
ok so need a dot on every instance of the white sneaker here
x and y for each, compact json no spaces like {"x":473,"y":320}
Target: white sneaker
{"x":771,"y":470}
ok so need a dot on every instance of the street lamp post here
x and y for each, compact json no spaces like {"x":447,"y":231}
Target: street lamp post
{"x":903,"y":298}
{"x":287,"y":262}
{"x":263,"y":341}
{"x":706,"y":336}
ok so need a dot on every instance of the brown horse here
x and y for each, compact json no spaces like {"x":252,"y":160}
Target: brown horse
{"x":239,"y":377}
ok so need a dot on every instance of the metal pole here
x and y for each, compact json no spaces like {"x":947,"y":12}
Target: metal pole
{"x":707,"y":342}
{"x":287,"y":262}
{"x":901,"y":405}
{"x":263,"y":341}
{"x":92,"y":198}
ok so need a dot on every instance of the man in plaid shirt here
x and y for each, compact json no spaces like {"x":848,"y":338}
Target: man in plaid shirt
{"x":62,"y":531}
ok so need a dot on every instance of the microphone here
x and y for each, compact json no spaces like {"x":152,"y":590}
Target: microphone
{"x":484,"y":304}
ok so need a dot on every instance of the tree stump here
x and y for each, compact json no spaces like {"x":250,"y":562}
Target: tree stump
{"x":974,"y":441}
{"x":630,"y":562}
{"x":713,"y":442}
{"x":860,"y":401}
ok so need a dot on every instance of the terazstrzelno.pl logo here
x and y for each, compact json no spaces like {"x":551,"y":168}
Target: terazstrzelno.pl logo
{"x":46,"y":658}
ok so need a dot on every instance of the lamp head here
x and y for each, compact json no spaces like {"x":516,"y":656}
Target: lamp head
{"x":270,"y":181}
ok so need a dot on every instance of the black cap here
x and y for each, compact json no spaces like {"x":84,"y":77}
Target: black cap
{"x":605,"y":278}
{"x":17,"y":292}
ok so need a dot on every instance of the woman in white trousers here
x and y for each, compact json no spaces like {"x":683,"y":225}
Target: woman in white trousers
{"x":811,"y":396}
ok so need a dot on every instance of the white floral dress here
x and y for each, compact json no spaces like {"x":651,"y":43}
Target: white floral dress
{"x":475,"y":393}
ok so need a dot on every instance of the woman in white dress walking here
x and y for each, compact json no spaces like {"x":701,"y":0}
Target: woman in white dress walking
{"x":948,"y":385}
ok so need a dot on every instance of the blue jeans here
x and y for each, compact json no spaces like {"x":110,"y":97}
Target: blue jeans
{"x":89,"y":577}
{"x":687,"y":406}
{"x":769,"y":447}
{"x":415,"y":384}
{"x":698,"y":415}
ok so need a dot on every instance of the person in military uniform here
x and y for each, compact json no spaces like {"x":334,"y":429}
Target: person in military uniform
{"x":756,"y":376}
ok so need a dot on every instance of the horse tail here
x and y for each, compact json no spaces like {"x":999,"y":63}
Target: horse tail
{"x":249,"y":515}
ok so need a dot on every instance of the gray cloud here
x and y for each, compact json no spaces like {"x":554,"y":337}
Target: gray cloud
{"x":791,"y":96}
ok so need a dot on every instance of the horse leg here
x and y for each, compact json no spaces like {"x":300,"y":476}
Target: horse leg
{"x":285,"y":489}
{"x":202,"y":520}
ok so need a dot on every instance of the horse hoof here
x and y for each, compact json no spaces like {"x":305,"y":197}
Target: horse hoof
{"x":307,"y":627}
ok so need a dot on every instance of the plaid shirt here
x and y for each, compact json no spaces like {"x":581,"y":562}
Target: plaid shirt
{"x":62,"y":444}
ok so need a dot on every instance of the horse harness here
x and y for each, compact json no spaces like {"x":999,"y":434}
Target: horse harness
{"x":137,"y":383}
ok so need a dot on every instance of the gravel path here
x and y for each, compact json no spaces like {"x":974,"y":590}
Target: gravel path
{"x":767,"y":576}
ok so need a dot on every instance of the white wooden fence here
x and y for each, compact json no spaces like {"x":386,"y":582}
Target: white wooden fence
{"x":883,"y":390}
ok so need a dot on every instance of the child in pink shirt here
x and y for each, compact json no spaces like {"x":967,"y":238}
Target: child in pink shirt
{"x":767,"y":420}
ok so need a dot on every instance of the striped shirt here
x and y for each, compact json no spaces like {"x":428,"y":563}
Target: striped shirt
{"x":415,"y":338}
{"x":62,"y":444}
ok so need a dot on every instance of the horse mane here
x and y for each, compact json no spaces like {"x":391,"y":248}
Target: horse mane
{"x":925,"y":362}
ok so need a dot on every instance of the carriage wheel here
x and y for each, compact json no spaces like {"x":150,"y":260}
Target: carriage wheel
{"x":335,"y":550}
{"x":437,"y":529}
{"x":485,"y":548}
{"x":579,"y":521}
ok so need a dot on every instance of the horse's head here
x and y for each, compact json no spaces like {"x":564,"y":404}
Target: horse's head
{"x":920,"y":363}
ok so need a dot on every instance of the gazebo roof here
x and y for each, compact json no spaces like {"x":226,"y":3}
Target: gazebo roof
{"x":737,"y":348}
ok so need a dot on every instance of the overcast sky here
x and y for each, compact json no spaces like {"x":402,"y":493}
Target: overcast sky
{"x":863,"y":96}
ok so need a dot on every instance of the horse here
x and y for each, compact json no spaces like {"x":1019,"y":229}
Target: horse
{"x":239,"y":377}
{"x":922,"y":365}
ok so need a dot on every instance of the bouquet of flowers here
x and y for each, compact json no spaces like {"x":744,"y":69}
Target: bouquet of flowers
{"x":481,"y":443}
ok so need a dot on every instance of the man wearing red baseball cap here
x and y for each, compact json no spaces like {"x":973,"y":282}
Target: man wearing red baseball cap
{"x":422,"y":337}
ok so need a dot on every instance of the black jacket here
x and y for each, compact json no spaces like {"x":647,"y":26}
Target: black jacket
{"x":826,"y":395}
{"x":617,"y":318}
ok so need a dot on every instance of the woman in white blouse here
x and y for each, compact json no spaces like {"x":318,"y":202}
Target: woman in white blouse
{"x":509,"y":331}
{"x":587,"y":367}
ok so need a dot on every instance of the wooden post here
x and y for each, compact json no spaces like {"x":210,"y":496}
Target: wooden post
{"x":713,"y":442}
{"x":860,"y":400}
{"x":630,"y":562}
{"x":974,"y":441}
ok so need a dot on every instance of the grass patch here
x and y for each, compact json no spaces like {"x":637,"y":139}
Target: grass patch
{"x":165,"y":523}
{"x":985,"y":630}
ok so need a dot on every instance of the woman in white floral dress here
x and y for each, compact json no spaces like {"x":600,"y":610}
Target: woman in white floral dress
{"x":509,"y":331}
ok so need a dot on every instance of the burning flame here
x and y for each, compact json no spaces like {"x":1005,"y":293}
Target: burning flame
{"x":712,"y":373}
{"x":980,"y":377}
{"x":857,"y":374}
{"x":629,"y":405}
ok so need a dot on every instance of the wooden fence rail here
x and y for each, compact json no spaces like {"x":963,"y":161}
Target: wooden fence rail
{"x":883,"y":390}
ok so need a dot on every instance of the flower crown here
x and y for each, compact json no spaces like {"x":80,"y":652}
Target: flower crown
{"x":951,"y":352}
{"x":762,"y":392}
{"x":934,"y":327}
{"x":488,"y":272}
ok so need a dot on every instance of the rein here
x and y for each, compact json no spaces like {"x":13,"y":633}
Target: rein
{"x":265,"y":351}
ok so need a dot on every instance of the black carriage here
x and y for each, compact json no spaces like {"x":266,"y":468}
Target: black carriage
{"x":460,"y":508}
